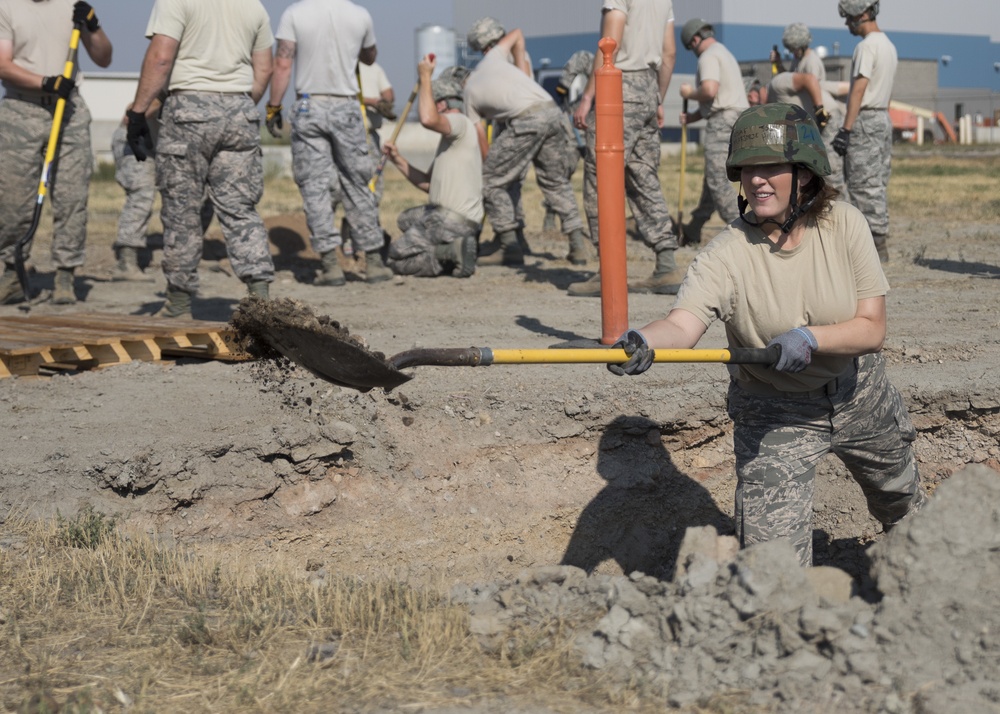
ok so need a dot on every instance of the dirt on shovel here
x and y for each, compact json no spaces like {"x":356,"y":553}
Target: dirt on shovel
{"x":269,"y":329}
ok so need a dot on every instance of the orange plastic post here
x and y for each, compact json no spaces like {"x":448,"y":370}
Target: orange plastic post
{"x":610,"y":149}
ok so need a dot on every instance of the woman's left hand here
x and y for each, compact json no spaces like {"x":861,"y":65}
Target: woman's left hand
{"x":797,"y":346}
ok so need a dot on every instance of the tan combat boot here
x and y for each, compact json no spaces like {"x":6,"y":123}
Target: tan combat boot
{"x":579,"y":247}
{"x":127,"y":267}
{"x":331,"y":274}
{"x":178,"y":304}
{"x":666,"y":277}
{"x":10,"y":287}
{"x":62,"y":291}
{"x":375,"y":268}
{"x":508,"y":251}
{"x":258,"y":288}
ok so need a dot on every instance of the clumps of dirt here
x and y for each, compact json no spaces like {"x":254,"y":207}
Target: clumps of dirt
{"x":255,"y":322}
{"x":754,"y":629}
{"x":290,"y":328}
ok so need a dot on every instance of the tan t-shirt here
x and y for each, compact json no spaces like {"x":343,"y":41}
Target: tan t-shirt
{"x":717,"y":63}
{"x":875,"y":58}
{"x":40,"y":34}
{"x":810,"y":64}
{"x":374,"y":80}
{"x":645,"y":24}
{"x":760,"y":293}
{"x":216,"y":39}
{"x":328,"y":36}
{"x":780,"y":89}
{"x":498,"y":89}
{"x":457,"y":171}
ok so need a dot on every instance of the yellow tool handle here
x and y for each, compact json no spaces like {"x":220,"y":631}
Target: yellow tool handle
{"x":57,"y":117}
{"x":615,"y":356}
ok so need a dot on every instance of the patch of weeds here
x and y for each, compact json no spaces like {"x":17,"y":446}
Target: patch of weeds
{"x":87,"y":530}
{"x":194,"y":631}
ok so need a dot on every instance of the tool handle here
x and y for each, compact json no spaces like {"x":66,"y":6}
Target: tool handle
{"x":484,"y":356}
{"x":395,"y":133}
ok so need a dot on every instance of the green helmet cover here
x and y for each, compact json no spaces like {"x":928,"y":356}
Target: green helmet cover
{"x":445,"y":88}
{"x":776,"y":134}
{"x":796,"y":36}
{"x":692,"y":28}
{"x":853,"y":8}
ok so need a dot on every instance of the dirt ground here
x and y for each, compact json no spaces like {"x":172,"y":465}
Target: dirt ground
{"x":471,"y":475}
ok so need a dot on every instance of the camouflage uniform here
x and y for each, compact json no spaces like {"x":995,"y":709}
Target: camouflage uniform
{"x":331,"y":162}
{"x":640,"y":95}
{"x":535,"y":138}
{"x":717,"y":193}
{"x":425,"y":227}
{"x":780,"y":438}
{"x":25,"y":123}
{"x":868,"y":164}
{"x":211,"y":139}
{"x":138,"y":179}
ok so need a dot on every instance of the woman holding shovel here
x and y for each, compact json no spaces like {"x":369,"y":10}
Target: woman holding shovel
{"x":799,"y":270}
{"x":34,"y":37}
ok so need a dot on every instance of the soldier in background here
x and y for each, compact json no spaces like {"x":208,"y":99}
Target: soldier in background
{"x":209,"y":136}
{"x":796,"y":38}
{"x":721,"y":97}
{"x":501,"y":88}
{"x":865,"y":140}
{"x":378,"y":97}
{"x":572,"y":82}
{"x":646,"y":53}
{"x":441,"y":236}
{"x":34,"y":38}
{"x":330,"y":155}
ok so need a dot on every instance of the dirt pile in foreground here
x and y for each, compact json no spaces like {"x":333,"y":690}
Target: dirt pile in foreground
{"x":755,"y":626}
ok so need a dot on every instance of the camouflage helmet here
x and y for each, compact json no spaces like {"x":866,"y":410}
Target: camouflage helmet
{"x":446,"y":88}
{"x":692,"y":28}
{"x":776,"y":134}
{"x":580,"y":62}
{"x":457,"y":73}
{"x":484,"y":32}
{"x":796,"y":36}
{"x":853,"y":8}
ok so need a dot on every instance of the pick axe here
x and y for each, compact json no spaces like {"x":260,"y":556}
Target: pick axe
{"x":50,"y":156}
{"x":395,"y":134}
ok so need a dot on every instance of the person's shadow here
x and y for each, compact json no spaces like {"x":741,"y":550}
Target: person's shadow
{"x":639,"y":519}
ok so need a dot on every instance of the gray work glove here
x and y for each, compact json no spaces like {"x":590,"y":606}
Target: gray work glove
{"x":797,"y":346}
{"x":640,"y":354}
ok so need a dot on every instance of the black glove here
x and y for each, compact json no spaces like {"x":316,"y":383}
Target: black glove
{"x":274,"y":121}
{"x":822,"y":117}
{"x":138,"y":136}
{"x":841,"y":140}
{"x":59,"y":85}
{"x":640,"y":355}
{"x":83,"y":14}
{"x":797,"y":346}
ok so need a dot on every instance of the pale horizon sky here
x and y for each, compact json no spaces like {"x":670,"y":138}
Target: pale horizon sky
{"x":396,"y":22}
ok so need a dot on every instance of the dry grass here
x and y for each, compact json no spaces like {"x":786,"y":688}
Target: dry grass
{"x":95,"y":618}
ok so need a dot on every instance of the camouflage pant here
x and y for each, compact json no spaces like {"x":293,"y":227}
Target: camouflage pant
{"x":717,"y":191}
{"x":331,"y":162}
{"x":424,"y":228}
{"x":570,"y":152}
{"x":836,"y":177}
{"x":537,"y":139}
{"x":867,"y":166}
{"x":24,"y":135}
{"x":780,"y":439}
{"x":138,"y":179}
{"x":642,"y":164}
{"x":213,"y":140}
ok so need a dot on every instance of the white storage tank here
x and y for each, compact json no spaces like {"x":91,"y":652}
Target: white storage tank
{"x":437,"y":40}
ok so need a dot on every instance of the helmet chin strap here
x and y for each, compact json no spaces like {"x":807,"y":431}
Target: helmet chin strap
{"x":796,"y":212}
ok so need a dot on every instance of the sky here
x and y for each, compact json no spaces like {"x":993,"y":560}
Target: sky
{"x":396,"y":22}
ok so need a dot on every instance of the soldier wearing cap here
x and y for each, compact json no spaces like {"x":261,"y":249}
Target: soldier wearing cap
{"x":796,"y":270}
{"x":34,"y":40}
{"x":720,"y":95}
{"x":865,"y":140}
{"x":501,"y":88}
{"x":441,"y":236}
